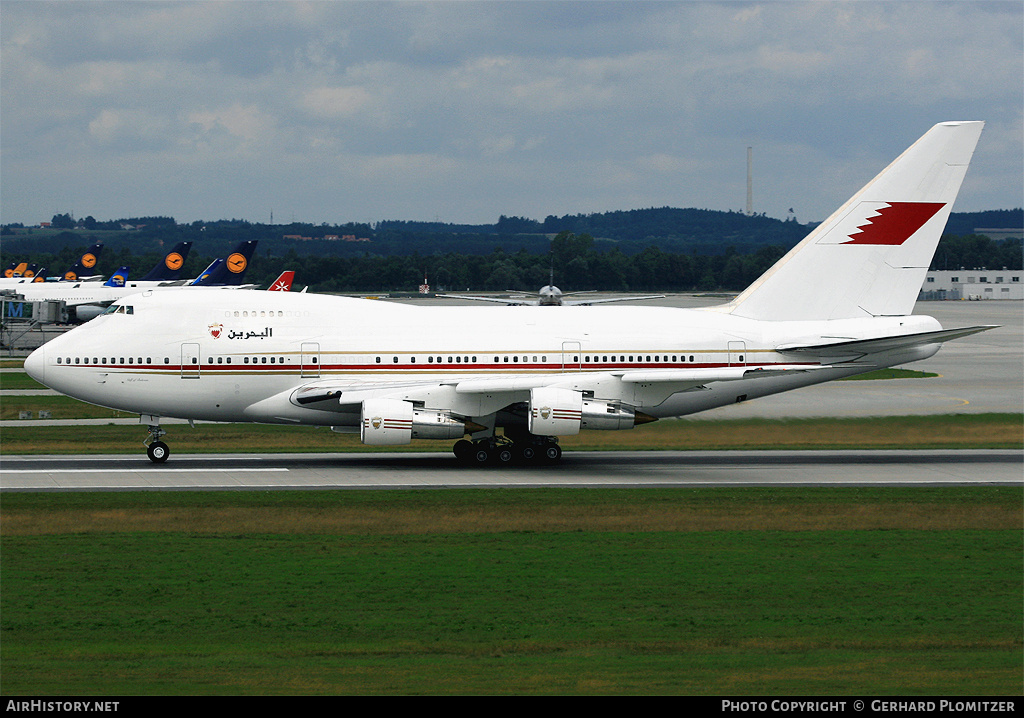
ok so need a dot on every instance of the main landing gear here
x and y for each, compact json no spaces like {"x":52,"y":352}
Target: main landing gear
{"x":156,"y":449}
{"x":499,"y":450}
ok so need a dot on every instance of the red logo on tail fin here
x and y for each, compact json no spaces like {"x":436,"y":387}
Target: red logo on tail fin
{"x":896,"y":223}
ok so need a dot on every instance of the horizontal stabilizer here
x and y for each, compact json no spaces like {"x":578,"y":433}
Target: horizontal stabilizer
{"x":846,"y":347}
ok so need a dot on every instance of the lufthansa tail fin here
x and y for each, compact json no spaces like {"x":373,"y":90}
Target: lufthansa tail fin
{"x":871,"y":256}
{"x":118,"y":278}
{"x":231,"y":270}
{"x":168,"y":269}
{"x":85,"y":265}
{"x":283,"y":283}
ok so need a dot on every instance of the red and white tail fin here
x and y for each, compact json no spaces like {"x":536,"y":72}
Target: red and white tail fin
{"x":871,"y":256}
{"x":283,"y":283}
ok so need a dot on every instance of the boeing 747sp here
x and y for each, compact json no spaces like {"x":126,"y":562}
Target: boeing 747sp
{"x":505,"y":383}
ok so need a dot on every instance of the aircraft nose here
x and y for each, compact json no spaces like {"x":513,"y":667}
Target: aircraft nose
{"x":35,"y":364}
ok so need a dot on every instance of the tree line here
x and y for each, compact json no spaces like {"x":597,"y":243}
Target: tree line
{"x":575,"y":261}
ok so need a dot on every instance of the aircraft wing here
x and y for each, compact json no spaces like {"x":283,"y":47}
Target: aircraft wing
{"x":508,"y":301}
{"x":844,"y":347}
{"x":609,"y":300}
{"x":346,"y":396}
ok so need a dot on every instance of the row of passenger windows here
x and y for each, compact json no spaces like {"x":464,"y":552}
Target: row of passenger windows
{"x":167,"y":360}
{"x":604,"y":358}
{"x":656,"y":358}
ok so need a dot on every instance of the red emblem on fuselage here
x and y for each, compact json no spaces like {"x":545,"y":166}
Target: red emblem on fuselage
{"x":215,"y":330}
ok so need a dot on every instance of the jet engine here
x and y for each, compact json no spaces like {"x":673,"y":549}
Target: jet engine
{"x":564,"y":412}
{"x":389,"y":422}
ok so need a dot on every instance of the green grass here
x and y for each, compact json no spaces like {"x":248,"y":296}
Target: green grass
{"x":958,"y":431}
{"x":19,"y":380}
{"x":891,"y":374}
{"x":474,"y":592}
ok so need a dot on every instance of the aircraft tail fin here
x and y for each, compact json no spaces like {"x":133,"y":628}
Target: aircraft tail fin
{"x":871,"y":256}
{"x":283,"y":283}
{"x":118,"y":278}
{"x":201,"y":279}
{"x":169,"y":268}
{"x":231,"y":270}
{"x":85,"y":264}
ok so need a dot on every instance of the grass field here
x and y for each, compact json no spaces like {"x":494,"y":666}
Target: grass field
{"x":962,"y":431}
{"x":662,"y":591}
{"x":782,"y":591}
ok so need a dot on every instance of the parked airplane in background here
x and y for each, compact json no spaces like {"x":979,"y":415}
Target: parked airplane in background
{"x":22,"y":273}
{"x":87,"y":300}
{"x":13,"y":276}
{"x":550,"y":296}
{"x":838,"y":304}
{"x":283,"y":283}
{"x":118,"y":278}
{"x":228,"y":271}
{"x":86,"y":263}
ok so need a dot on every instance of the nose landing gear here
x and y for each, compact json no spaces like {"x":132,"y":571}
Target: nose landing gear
{"x":156,"y":449}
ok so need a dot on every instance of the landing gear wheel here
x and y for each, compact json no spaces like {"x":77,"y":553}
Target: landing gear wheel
{"x":480,"y":455}
{"x":528,"y":454}
{"x":552,"y":452}
{"x":504,"y":454}
{"x":158,"y":452}
{"x":463,"y":449}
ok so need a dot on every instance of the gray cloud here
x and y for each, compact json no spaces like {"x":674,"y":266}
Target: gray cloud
{"x":339,"y":111}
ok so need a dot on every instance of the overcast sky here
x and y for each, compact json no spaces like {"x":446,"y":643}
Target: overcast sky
{"x":464,"y":111}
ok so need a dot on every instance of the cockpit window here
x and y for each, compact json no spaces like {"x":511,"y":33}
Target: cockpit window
{"x":119,"y":309}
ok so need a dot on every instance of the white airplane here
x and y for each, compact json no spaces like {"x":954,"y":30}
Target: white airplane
{"x":551,"y":296}
{"x":14,"y":275}
{"x":87,"y":300}
{"x":836,"y":305}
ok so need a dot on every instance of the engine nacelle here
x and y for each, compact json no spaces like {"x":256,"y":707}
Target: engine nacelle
{"x":389,"y":422}
{"x":563,"y":412}
{"x":611,"y":415}
{"x":555,"y":412}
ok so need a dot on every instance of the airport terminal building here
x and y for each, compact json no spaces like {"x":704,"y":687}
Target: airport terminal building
{"x":973,"y":284}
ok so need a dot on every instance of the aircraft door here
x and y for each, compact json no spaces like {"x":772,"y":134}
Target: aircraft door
{"x":189,"y":361}
{"x":737,"y":353}
{"x":309,"y":360}
{"x":572,"y":356}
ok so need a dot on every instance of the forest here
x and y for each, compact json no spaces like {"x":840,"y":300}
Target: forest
{"x":661,"y":249}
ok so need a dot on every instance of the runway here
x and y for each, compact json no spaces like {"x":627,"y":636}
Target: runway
{"x":577,"y":469}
